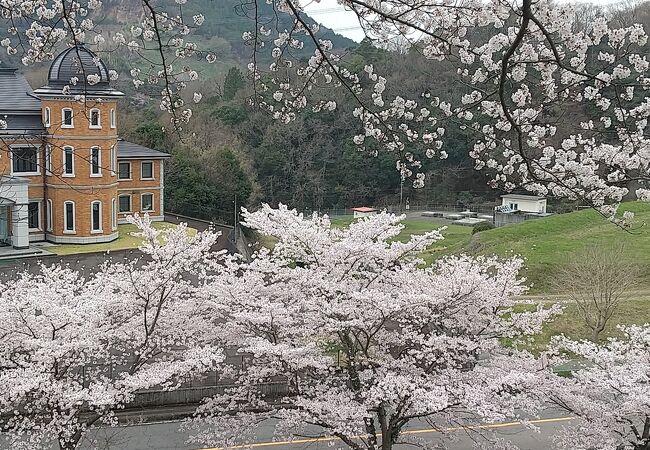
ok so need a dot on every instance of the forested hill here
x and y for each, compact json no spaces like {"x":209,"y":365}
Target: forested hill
{"x":312,"y":163}
{"x":225,"y":22}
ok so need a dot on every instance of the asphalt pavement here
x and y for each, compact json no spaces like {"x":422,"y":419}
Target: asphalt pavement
{"x":168,"y":436}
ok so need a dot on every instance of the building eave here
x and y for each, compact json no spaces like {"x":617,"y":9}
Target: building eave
{"x":57,"y":94}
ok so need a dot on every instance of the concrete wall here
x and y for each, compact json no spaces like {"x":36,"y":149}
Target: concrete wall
{"x":532,"y":205}
{"x":502,"y":219}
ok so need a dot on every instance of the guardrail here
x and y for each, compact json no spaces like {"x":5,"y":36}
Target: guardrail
{"x":194,"y":395}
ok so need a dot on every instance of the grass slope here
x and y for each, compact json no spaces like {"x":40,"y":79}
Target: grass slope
{"x":544,"y":243}
{"x":547,"y":243}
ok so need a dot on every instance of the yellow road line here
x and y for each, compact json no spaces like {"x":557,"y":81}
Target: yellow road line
{"x":421,"y":431}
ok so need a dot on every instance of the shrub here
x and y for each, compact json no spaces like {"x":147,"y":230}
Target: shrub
{"x":482,"y":227}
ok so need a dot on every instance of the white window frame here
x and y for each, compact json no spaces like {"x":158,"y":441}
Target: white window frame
{"x":153,"y":175}
{"x":114,"y":214}
{"x":49,"y":218}
{"x":39,"y":216}
{"x":47,"y":116}
{"x":48,"y":159}
{"x":99,"y":161}
{"x":113,"y":119}
{"x":94,"y":230}
{"x":63,"y":124}
{"x":113,"y":160}
{"x":130,"y":204}
{"x":38,"y":160}
{"x":152,"y":200}
{"x":65,"y":166}
{"x":99,"y":119}
{"x":130,"y":170}
{"x":65,"y":217}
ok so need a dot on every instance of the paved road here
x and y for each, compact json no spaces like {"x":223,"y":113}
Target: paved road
{"x":166,"y":436}
{"x":87,"y":263}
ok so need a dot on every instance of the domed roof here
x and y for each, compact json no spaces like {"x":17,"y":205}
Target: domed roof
{"x":79,"y":62}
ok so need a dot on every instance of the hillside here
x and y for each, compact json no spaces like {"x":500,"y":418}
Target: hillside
{"x":546,"y":243}
{"x":225,"y":23}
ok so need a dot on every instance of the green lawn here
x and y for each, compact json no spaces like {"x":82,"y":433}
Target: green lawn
{"x":635,"y":311}
{"x":547,"y":243}
{"x":544,"y":243}
{"x":126,"y":240}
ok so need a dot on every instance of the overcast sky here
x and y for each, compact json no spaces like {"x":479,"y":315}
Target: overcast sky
{"x":334,"y":16}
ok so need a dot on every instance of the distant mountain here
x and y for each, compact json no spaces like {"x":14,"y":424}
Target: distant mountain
{"x":229,"y":19}
{"x":225,"y":23}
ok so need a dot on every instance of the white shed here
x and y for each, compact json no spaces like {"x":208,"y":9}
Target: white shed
{"x":524,"y":203}
{"x":364,"y":211}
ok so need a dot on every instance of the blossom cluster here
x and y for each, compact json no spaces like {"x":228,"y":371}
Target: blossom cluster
{"x":363,"y":336}
{"x":522,"y":69}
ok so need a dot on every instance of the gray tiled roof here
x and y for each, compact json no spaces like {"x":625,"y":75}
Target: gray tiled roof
{"x":22,"y":124}
{"x":77,"y":61}
{"x":15,"y":93}
{"x":129,"y":150}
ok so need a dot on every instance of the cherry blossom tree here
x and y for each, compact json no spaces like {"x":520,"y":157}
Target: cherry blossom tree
{"x":366,"y":338}
{"x":609,"y":396}
{"x":524,"y":68}
{"x":75,"y":350}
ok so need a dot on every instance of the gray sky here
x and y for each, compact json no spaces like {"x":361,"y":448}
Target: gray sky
{"x":331,"y":14}
{"x":334,"y":16}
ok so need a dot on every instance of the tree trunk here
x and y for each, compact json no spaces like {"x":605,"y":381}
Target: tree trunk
{"x":595,"y":333}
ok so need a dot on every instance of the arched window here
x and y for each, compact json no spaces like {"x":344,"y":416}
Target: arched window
{"x":69,"y":217}
{"x":95,"y":118}
{"x":48,"y":159}
{"x":47,"y":116}
{"x":125,"y":203}
{"x":146,"y":202}
{"x":113,"y":119}
{"x":96,"y":216}
{"x":113,"y":160}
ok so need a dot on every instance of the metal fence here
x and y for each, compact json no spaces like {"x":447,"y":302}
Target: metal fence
{"x":483,"y":208}
{"x":194,"y":395}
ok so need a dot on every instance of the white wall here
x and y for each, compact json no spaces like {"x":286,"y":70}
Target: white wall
{"x":15,"y":190}
{"x":525,"y":205}
{"x":358,"y":214}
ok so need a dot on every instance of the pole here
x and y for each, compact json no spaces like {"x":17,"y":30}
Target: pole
{"x":401,"y":194}
{"x":235,"y":229}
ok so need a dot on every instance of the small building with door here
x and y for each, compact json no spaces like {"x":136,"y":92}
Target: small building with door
{"x":523,"y":203}
{"x":364,"y":211}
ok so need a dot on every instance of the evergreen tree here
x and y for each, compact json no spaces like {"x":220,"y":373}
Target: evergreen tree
{"x":234,"y":82}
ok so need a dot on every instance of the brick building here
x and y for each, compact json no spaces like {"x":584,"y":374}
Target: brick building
{"x":65,"y":175}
